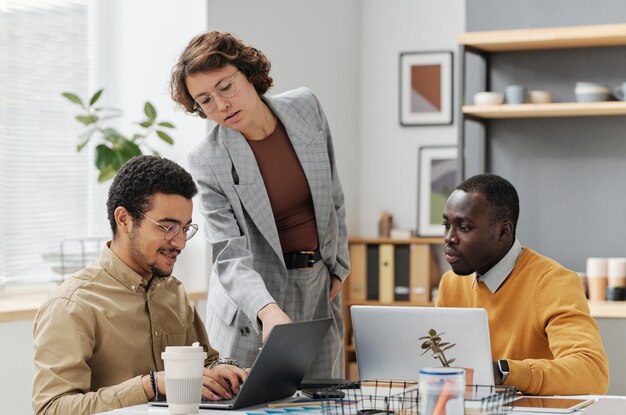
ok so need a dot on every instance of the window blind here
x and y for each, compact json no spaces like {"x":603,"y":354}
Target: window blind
{"x":45,"y":49}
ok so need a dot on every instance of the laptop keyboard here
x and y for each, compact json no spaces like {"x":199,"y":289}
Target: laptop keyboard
{"x":221,"y":401}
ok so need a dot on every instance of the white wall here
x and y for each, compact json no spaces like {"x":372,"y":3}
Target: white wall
{"x":140,"y":42}
{"x":388,"y":152}
{"x":314,"y":44}
{"x":346,"y":51}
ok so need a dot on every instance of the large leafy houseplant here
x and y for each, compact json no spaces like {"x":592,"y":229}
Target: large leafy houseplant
{"x":114,"y":148}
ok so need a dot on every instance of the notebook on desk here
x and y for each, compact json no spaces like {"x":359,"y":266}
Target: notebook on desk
{"x":279,"y":367}
{"x":388,"y":346}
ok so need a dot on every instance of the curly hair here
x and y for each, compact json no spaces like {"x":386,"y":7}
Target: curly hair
{"x":500,"y":195}
{"x":140,"y":178}
{"x":211,"y":51}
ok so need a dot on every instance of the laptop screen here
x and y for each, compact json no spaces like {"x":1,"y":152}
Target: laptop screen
{"x":388,"y":346}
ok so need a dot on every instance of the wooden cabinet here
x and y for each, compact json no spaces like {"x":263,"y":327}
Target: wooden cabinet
{"x":388,"y":272}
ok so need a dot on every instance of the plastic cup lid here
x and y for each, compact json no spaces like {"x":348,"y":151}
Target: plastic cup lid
{"x":441,"y":371}
{"x":180,"y":352}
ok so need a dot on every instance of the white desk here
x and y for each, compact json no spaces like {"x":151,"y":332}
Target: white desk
{"x":152,"y":410}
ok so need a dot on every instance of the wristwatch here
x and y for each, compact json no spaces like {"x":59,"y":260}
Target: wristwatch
{"x":224,"y":361}
{"x":503,"y":366}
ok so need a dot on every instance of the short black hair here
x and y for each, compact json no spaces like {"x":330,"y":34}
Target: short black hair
{"x":499,"y":193}
{"x":140,"y":178}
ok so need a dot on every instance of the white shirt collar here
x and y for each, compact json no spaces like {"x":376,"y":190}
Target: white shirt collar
{"x":499,"y":272}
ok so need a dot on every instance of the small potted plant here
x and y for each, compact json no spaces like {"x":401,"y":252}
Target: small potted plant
{"x":433,"y":343}
{"x":115,"y":148}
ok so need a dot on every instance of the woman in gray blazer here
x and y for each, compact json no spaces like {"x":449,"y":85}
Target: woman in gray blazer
{"x":271,"y":198}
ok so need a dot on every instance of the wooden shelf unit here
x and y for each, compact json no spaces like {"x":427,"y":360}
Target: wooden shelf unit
{"x":409,"y":263}
{"x":546,"y":38}
{"x":560,"y":109}
{"x":486,"y":43}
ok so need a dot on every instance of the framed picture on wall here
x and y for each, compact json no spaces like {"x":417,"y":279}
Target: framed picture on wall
{"x":425,"y":88}
{"x":437,"y":167}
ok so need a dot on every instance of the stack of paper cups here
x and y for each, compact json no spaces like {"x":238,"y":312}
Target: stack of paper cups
{"x":597,"y":278}
{"x":616,"y":272}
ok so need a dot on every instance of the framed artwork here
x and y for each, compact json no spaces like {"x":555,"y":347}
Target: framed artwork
{"x":437,"y":169}
{"x":425,"y":88}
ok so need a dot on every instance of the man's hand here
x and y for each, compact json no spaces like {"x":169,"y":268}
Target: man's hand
{"x":223,"y":381}
{"x":271,"y":315}
{"x":335,"y":287}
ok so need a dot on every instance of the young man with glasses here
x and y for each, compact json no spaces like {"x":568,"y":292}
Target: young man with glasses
{"x":99,"y":338}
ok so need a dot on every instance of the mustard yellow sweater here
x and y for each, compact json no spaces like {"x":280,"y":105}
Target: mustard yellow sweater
{"x":539,"y":321}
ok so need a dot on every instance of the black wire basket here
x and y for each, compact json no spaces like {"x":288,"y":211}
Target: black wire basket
{"x":381,"y":397}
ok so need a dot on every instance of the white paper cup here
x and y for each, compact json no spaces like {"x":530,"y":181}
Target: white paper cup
{"x":616,"y":272}
{"x":597,"y":278}
{"x":184,"y":367}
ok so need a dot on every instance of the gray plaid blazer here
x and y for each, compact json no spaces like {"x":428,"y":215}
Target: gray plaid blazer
{"x":248,"y":266}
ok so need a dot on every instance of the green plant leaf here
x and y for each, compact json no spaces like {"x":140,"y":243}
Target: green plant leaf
{"x":85,"y":135}
{"x":82,"y":145}
{"x":87,"y":119}
{"x":163,"y":136}
{"x":146,"y":124}
{"x":129,"y":150}
{"x":95,"y":97}
{"x":166,"y":124}
{"x":112,"y":135}
{"x":105,"y":157}
{"x":73,"y":98}
{"x":107,"y":174}
{"x":432,"y":332}
{"x":150,"y":111}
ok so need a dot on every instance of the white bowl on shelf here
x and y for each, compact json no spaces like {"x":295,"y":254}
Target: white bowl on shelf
{"x":591,"y":92}
{"x":488,"y":98}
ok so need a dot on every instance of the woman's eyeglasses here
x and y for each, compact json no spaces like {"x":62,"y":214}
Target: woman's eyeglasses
{"x":226,"y":89}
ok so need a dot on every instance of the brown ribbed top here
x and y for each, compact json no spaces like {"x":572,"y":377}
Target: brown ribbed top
{"x":288,"y":190}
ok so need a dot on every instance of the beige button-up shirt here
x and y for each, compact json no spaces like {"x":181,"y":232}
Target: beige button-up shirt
{"x":101,"y":330}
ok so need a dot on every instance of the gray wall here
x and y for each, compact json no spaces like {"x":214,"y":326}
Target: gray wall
{"x":569,"y":171}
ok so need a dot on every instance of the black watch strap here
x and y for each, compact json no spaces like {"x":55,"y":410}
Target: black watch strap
{"x":503,"y":366}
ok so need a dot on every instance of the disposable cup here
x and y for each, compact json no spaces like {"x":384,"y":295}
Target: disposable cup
{"x":597,"y":278}
{"x":184,"y":367}
{"x":441,"y":390}
{"x":616,"y":272}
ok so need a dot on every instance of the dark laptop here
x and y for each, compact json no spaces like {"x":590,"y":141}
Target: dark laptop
{"x":279,"y":367}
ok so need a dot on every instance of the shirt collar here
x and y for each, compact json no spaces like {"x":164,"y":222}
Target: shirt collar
{"x":119,"y":271}
{"x":494,"y":278}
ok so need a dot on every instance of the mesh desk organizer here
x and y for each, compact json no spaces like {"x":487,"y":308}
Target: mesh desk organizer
{"x":381,"y":397}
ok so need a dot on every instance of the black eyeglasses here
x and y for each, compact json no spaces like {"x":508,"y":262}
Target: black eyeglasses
{"x":171,"y":231}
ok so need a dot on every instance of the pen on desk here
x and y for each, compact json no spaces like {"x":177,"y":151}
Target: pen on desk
{"x":294,"y":404}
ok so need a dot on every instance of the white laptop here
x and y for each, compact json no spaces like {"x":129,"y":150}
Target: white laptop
{"x":387,"y":345}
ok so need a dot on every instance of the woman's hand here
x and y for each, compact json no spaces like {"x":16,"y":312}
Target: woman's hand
{"x":270,"y":316}
{"x":335,"y":287}
{"x":223,"y":381}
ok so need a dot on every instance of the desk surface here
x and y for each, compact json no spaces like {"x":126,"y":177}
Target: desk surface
{"x":607,"y":408}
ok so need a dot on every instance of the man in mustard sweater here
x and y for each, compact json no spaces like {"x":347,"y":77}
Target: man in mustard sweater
{"x":543,"y":339}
